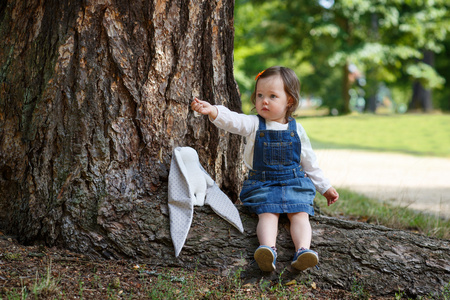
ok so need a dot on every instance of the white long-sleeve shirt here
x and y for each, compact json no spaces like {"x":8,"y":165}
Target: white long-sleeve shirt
{"x":247,"y":125}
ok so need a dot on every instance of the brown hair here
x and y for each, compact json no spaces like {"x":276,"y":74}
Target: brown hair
{"x":291,"y":85}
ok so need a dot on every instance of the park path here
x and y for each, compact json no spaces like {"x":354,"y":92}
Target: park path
{"x":421,"y":183}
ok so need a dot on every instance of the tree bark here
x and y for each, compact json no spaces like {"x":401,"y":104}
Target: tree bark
{"x":94,"y":95}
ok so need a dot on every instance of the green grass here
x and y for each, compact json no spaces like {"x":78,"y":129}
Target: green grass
{"x":354,"y":206}
{"x":418,"y":134}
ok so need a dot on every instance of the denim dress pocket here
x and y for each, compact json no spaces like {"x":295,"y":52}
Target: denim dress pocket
{"x":278,"y":153}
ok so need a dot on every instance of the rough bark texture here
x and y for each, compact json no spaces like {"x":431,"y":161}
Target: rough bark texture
{"x":377,"y":259}
{"x":94,"y":95}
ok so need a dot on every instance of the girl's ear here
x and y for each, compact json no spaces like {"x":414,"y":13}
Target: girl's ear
{"x":290,"y":101}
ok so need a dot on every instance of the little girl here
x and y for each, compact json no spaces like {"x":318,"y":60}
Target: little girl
{"x":283,"y":170}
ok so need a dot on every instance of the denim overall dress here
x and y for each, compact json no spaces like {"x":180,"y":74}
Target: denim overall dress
{"x":277,"y":183}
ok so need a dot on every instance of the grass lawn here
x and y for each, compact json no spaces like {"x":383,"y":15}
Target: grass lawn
{"x":418,"y":134}
{"x":360,"y":208}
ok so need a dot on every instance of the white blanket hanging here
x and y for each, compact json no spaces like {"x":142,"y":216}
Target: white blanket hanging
{"x":189,"y":185}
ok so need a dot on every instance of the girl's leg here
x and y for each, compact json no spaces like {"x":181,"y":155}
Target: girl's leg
{"x":301,"y":236}
{"x":300,"y":230}
{"x":267,"y":229}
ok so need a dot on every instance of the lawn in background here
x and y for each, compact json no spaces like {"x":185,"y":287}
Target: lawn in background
{"x":357,"y":207}
{"x":417,"y":134}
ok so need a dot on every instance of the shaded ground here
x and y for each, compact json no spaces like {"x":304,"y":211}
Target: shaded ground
{"x":51,"y":273}
{"x":420,"y":183}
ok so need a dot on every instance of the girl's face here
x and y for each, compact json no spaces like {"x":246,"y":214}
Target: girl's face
{"x":271,"y":101}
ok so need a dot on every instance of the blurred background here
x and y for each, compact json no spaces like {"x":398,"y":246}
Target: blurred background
{"x":360,"y":55}
{"x":375,"y":78}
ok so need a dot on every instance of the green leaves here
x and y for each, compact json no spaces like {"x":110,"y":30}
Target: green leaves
{"x":385,"y":39}
{"x":426,"y":74}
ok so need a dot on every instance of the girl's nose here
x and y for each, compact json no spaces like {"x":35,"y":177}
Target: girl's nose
{"x":265,"y":100}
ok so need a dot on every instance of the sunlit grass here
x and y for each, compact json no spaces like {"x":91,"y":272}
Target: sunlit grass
{"x":424,"y":134}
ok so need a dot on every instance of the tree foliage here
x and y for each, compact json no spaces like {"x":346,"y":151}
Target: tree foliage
{"x":384,"y":39}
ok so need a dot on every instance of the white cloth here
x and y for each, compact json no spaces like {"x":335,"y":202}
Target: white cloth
{"x":247,"y":125}
{"x":186,"y":186}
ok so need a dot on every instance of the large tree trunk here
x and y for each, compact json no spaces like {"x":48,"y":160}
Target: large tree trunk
{"x":94,"y":95}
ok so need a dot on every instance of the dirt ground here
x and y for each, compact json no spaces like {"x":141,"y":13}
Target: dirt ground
{"x":39,"y":272}
{"x":418,"y":182}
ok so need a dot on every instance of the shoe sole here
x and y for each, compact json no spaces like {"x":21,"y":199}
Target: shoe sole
{"x":264,"y":258}
{"x":305,"y":261}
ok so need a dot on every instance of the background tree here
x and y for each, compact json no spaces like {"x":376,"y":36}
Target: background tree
{"x":425,"y":25}
{"x":321,"y":39}
{"x":94,"y":96}
{"x":441,"y":97}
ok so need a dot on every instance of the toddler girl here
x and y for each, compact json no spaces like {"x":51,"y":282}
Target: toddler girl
{"x":283,"y":170}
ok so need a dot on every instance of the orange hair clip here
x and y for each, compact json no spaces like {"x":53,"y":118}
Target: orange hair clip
{"x":259,"y":74}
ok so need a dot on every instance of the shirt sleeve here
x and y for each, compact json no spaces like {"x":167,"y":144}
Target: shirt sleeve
{"x":234,"y":122}
{"x":310,"y":164}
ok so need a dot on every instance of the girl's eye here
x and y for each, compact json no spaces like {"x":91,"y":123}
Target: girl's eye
{"x":273,"y":96}
{"x":259,"y":95}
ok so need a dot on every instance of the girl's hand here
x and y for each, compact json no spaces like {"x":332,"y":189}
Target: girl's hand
{"x":332,"y":195}
{"x":204,"y":108}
